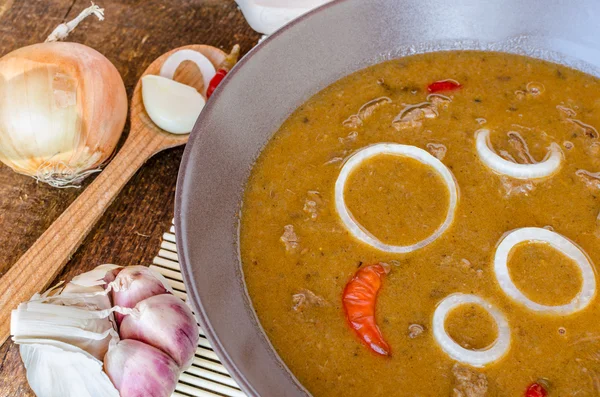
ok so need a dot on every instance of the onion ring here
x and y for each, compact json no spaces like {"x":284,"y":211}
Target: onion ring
{"x":475,"y":358}
{"x":207,"y":69}
{"x":543,"y":169}
{"x":561,"y":243}
{"x":413,"y":152}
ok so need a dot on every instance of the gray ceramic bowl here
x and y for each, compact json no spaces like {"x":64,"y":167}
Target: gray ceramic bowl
{"x":283,"y":72}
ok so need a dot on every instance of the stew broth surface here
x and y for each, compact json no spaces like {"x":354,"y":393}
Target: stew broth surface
{"x":297,"y":255}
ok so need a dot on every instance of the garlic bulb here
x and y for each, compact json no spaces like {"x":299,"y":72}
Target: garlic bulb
{"x":62,"y":110}
{"x":267,"y":16}
{"x":74,"y":326}
{"x":57,"y":369}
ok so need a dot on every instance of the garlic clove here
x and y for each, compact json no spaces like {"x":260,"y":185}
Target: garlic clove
{"x":167,"y":323}
{"x":138,"y":369}
{"x":133,"y":284}
{"x":47,"y":362}
{"x":172,"y":106}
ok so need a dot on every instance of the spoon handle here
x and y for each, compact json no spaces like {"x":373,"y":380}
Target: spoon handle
{"x":43,"y":261}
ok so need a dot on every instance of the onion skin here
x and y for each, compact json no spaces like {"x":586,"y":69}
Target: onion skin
{"x":132,"y":285}
{"x":62,"y":110}
{"x":167,"y":323}
{"x":140,"y":370}
{"x":97,"y":302}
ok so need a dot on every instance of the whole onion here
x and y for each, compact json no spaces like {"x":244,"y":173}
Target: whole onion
{"x":62,"y":110}
{"x":140,"y":370}
{"x":167,"y":323}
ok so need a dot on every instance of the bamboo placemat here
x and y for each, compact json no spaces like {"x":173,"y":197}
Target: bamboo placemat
{"x":207,"y":377}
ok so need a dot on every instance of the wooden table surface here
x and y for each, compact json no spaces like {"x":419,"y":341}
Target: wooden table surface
{"x":134,"y":33}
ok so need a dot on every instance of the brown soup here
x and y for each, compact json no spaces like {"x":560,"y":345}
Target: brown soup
{"x":298,"y":256}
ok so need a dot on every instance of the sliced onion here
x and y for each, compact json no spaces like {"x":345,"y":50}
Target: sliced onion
{"x":491,"y":159}
{"x":204,"y":64}
{"x":561,"y":243}
{"x":475,"y":358}
{"x":401,"y":150}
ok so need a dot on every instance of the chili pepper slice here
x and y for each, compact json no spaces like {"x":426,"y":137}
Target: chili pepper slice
{"x":536,"y":390}
{"x":443,"y":85}
{"x":215,"y":81}
{"x":359,"y":301}
{"x":224,"y":68}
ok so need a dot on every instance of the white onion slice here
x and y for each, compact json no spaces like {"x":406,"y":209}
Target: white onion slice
{"x":204,"y":64}
{"x":401,"y":150}
{"x":475,"y":358}
{"x":561,"y":243}
{"x":491,"y":159}
{"x":172,"y":106}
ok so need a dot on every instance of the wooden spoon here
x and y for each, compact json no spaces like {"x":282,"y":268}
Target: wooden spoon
{"x":41,"y":263}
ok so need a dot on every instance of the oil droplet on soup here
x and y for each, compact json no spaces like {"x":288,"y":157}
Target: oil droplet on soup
{"x":397,"y":199}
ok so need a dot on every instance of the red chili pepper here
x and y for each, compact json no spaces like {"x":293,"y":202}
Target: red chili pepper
{"x":215,"y":81}
{"x":443,"y":85}
{"x":224,"y":68}
{"x":359,"y":301}
{"x":536,"y":390}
